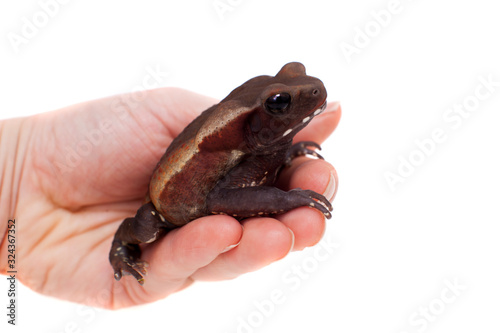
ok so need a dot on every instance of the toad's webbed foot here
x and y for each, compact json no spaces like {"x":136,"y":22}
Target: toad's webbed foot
{"x":311,"y":199}
{"x":147,"y":226}
{"x":124,"y":259}
{"x":301,"y":149}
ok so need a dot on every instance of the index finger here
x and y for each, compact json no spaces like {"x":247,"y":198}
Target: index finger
{"x":321,"y":126}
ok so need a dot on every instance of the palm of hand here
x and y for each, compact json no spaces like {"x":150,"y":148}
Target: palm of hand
{"x":88,"y":168}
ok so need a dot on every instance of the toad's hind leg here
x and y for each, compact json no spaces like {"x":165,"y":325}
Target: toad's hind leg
{"x":147,"y":226}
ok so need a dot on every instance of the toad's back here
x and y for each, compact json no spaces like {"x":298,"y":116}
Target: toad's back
{"x":226,"y":162}
{"x":192,"y":165}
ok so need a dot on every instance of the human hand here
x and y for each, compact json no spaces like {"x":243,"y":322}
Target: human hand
{"x":81,"y":170}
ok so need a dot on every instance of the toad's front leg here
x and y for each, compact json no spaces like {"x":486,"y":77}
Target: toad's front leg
{"x":238,"y":195}
{"x":263,"y":201}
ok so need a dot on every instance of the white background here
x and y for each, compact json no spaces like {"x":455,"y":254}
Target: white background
{"x":395,"y":252}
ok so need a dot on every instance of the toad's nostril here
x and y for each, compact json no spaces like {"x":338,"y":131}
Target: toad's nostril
{"x":315,"y":92}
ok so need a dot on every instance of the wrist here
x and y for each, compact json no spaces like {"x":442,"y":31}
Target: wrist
{"x":11,"y":162}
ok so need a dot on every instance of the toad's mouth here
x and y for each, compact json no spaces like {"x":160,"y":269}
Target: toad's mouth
{"x":305,"y":121}
{"x":315,"y":113}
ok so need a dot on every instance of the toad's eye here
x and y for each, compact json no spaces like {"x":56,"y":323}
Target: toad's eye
{"x":278,"y":103}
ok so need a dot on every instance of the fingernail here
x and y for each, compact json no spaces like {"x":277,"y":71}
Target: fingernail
{"x":333,"y":106}
{"x":331,"y":187}
{"x":293,"y":240}
{"x":230,"y":247}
